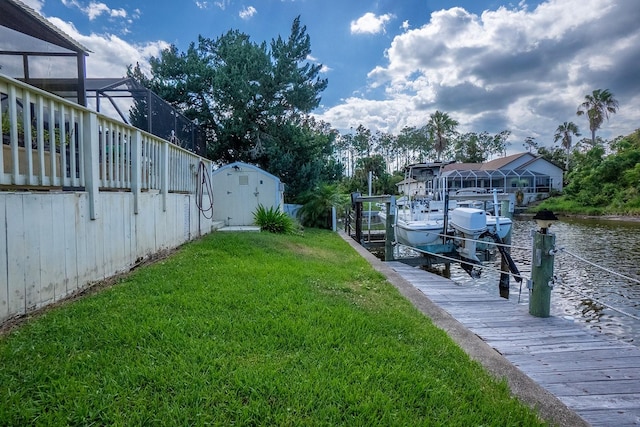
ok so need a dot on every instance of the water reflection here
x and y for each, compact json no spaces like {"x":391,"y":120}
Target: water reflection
{"x":611,"y":244}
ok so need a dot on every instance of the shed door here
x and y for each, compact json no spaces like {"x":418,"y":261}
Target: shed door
{"x":241,"y":200}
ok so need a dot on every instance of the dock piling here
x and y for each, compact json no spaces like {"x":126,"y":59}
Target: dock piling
{"x":503,"y":285}
{"x":389,"y":230}
{"x":542,"y":268}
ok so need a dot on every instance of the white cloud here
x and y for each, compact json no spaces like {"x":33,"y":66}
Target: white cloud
{"x":202,"y":4}
{"x":248,"y":12}
{"x":516,"y":69}
{"x":95,"y":9}
{"x":369,"y":23}
{"x":118,"y":13}
{"x":222,"y":4}
{"x":110,"y":55}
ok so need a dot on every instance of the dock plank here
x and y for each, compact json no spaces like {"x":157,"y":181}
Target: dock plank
{"x":596,"y":376}
{"x":580,"y":388}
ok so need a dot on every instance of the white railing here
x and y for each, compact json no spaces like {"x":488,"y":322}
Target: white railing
{"x":48,"y":141}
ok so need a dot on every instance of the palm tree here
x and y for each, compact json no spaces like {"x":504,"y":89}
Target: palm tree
{"x":597,"y":106}
{"x":564,"y":132}
{"x":441,"y":127}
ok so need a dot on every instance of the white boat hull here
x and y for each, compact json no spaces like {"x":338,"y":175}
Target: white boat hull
{"x":426,"y":231}
{"x":415,"y":233}
{"x":504,"y":225}
{"x":418,"y":233}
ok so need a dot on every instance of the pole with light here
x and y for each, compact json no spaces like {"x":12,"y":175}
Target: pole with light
{"x":542,"y":268}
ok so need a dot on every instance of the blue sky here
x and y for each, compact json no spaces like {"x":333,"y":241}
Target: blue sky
{"x":490,"y":64}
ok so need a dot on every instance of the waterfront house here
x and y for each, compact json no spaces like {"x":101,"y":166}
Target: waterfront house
{"x":531,"y":177}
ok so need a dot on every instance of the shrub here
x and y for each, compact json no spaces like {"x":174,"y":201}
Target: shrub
{"x":273,"y":220}
{"x":316,"y":206}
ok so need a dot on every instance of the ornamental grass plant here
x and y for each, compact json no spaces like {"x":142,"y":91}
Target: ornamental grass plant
{"x":247,"y":329}
{"x":274,"y":220}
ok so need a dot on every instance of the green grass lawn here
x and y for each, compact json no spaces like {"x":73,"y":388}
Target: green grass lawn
{"x":247,"y":329}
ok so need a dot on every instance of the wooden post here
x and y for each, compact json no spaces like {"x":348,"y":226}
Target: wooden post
{"x":389,"y":230}
{"x":136,"y":168}
{"x":504,"y":265}
{"x":13,"y":134}
{"x":90,"y":150}
{"x":164,"y":174}
{"x":334,"y":219}
{"x":541,"y":274}
{"x":358,"y":222}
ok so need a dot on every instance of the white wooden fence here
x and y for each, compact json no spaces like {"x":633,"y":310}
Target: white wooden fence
{"x":84,"y":197}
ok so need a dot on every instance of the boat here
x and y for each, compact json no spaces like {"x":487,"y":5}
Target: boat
{"x":498,"y":225}
{"x":473,"y":227}
{"x":425,"y":214}
{"x":415,"y":225}
{"x":419,"y":220}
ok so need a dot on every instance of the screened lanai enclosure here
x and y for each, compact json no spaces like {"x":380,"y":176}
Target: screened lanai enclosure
{"x":127,"y":100}
{"x":35,"y":52}
{"x":507,"y":181}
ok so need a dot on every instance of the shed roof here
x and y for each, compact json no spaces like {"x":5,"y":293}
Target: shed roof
{"x":241,"y":165}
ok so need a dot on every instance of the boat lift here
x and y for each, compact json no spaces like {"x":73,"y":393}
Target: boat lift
{"x":443,"y":252}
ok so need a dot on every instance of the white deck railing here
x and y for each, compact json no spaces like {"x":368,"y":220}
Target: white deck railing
{"x":50,"y":142}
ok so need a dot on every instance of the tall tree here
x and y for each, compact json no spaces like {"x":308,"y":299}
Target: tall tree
{"x":362,"y":141}
{"x":475,"y":147}
{"x":342,"y":146}
{"x":441,"y":128}
{"x":386,"y":145}
{"x":303,"y":158}
{"x":297,"y":84}
{"x":467,"y":148}
{"x":597,"y":106}
{"x":237,"y":89}
{"x":530,"y":144}
{"x":251,"y":98}
{"x":565,"y":132}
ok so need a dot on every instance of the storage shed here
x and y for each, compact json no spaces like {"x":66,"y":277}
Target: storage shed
{"x":239,"y":188}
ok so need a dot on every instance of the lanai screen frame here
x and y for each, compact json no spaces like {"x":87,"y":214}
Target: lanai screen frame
{"x":20,"y":18}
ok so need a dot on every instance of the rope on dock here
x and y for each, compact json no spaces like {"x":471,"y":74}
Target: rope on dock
{"x":608,"y":270}
{"x":528,"y":279}
{"x":460,"y":261}
{"x":597,"y":301}
{"x":571,"y":288}
{"x":563,"y":250}
{"x":488,"y":242}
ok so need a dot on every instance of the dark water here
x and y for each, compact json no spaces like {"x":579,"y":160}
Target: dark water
{"x":582,"y":288}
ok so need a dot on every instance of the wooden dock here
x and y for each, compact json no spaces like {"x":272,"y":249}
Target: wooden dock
{"x":595,"y":376}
